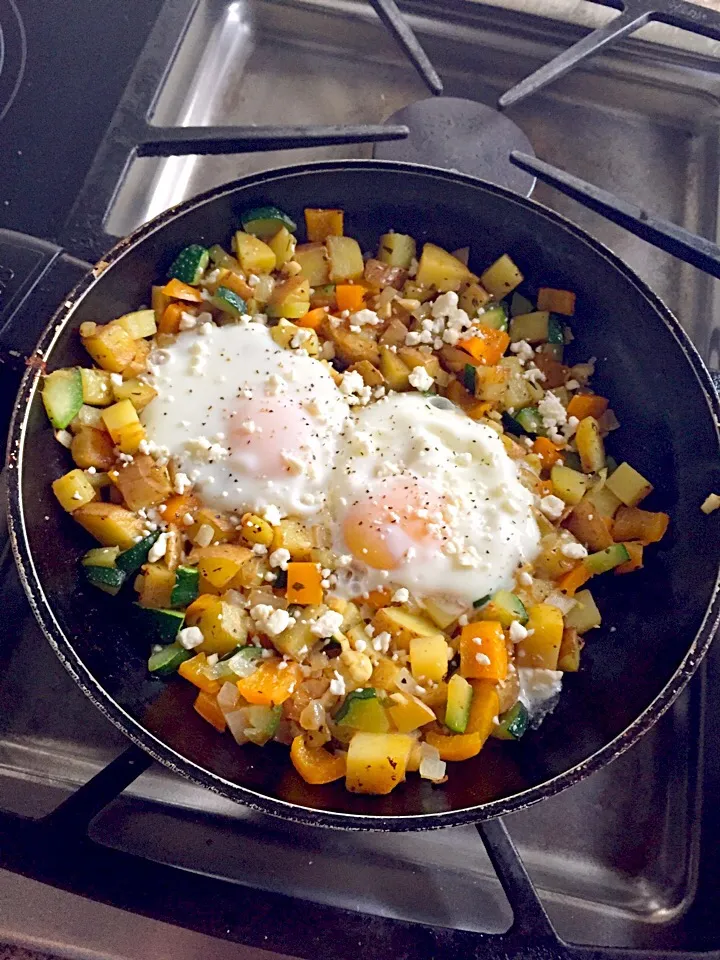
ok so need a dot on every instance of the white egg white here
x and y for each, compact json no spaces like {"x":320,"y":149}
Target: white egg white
{"x":487,"y":528}
{"x":250,"y":424}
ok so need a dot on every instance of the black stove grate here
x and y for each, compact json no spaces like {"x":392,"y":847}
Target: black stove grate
{"x":57,"y":850}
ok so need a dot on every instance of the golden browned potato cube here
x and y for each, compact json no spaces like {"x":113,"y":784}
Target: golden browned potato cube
{"x":73,"y":491}
{"x":92,"y":448}
{"x":143,"y":483}
{"x":139,"y":394}
{"x":352,"y":347}
{"x":294,"y":536}
{"x":111,"y":347}
{"x":346,"y":260}
{"x":138,"y":364}
{"x":402,"y":625}
{"x":313,"y":258}
{"x":369,"y":372}
{"x":394,"y":334}
{"x":394,"y":370}
{"x":440,"y":270}
{"x":156,"y":585}
{"x":472,"y":297}
{"x":502,"y":277}
{"x":414,"y":357}
{"x":110,"y":524}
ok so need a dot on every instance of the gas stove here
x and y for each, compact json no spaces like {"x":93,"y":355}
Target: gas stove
{"x":625,"y":859}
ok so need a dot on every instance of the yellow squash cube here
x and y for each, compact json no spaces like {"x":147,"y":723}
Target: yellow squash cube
{"x":74,"y":490}
{"x":118,"y":417}
{"x":224,"y":626}
{"x":346,"y":260}
{"x":409,"y":713}
{"x":429,"y":658}
{"x":139,"y":394}
{"x":541,"y":648}
{"x":255,"y":255}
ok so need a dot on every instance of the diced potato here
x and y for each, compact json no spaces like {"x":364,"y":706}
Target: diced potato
{"x":315,"y":263}
{"x":443,"y":610}
{"x":346,"y":260}
{"x":395,"y":372}
{"x":628,"y":485}
{"x":429,"y":658}
{"x":96,"y":387}
{"x":473,"y":296}
{"x":251,"y":574}
{"x":111,"y":525}
{"x":255,"y":255}
{"x":570,"y":647}
{"x":73,"y":490}
{"x":143,"y":483}
{"x":254,"y":529}
{"x":381,"y":276}
{"x":353,"y":347}
{"x":283,"y":246}
{"x":417,"y":291}
{"x":138,"y":364}
{"x":590,"y":445}
{"x":224,"y":626}
{"x":372,"y":377}
{"x":585,"y":615}
{"x":290,"y":299}
{"x":88,"y":417}
{"x":222,"y":529}
{"x":589,"y":526}
{"x":502,"y":277}
{"x":323,"y":223}
{"x":413,"y":357}
{"x":396,"y":249}
{"x":291,"y":337}
{"x":92,"y":448}
{"x":402,"y":625}
{"x":385,"y":675}
{"x":532,"y":327}
{"x":295,"y":537}
{"x":541,"y":647}
{"x":111,"y":347}
{"x":130,"y":438}
{"x":394,"y":334}
{"x":218,"y":565}
{"x":556,"y":301}
{"x":491,"y":383}
{"x":454,"y":359}
{"x":442,"y":271}
{"x":139,"y":394}
{"x":551,"y":562}
{"x":568,"y":484}
{"x":604,"y":501}
{"x":139,"y":324}
{"x":376,"y":762}
{"x":156,"y":585}
{"x":408,"y":713}
{"x":519,"y":392}
{"x":119,"y":416}
{"x":299,"y":635}
{"x":632,"y":523}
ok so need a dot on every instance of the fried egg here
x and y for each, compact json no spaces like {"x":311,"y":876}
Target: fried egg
{"x":249,"y":424}
{"x":427,"y":499}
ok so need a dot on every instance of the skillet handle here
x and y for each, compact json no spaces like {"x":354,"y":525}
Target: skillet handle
{"x":34,"y":277}
{"x":715,"y":377}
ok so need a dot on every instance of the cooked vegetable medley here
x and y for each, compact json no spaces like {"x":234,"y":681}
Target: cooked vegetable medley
{"x":358,"y":499}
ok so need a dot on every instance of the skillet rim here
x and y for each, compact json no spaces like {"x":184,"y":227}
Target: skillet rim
{"x":170,"y":758}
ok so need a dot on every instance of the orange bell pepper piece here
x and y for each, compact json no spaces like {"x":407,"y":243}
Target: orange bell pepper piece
{"x":632,"y":523}
{"x":207,"y":707}
{"x":483,"y":653}
{"x":195,"y":669}
{"x":484,"y":708}
{"x":376,"y":598}
{"x":177,"y":506}
{"x":313,"y":318}
{"x":181,"y":291}
{"x":457,"y":746}
{"x":269,"y":685}
{"x":488,"y":346}
{"x":170,"y":320}
{"x":350,"y":296}
{"x":544,"y":488}
{"x":321,"y":224}
{"x":547,"y":451}
{"x":235,"y":282}
{"x":316,"y":766}
{"x":572,"y":581}
{"x":635,"y":551}
{"x":304,"y":583}
{"x":587,"y":405}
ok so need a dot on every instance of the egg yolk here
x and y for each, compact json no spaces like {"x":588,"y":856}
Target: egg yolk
{"x":271,"y":437}
{"x":400,"y":515}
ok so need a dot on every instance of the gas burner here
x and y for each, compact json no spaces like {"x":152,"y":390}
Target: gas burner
{"x":463,"y":135}
{"x":13,"y":53}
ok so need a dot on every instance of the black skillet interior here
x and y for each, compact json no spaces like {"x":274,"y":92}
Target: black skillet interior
{"x":668,"y":433}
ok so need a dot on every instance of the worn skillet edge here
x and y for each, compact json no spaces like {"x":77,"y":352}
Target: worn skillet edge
{"x":65,"y":651}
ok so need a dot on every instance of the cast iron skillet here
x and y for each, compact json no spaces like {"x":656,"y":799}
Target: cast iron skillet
{"x":657,"y":623}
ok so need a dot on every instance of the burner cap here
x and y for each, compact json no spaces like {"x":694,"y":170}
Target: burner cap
{"x":13,"y":52}
{"x":461,"y":135}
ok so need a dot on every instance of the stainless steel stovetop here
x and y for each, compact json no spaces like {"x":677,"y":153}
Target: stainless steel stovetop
{"x":615,"y":857}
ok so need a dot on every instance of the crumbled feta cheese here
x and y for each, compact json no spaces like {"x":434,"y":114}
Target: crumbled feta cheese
{"x":575,"y":551}
{"x":517,"y":631}
{"x":483,"y":658}
{"x":539,"y":689}
{"x":268,"y":620}
{"x":710,"y":503}
{"x":272,"y":514}
{"x":279,"y":558}
{"x":327,"y":624}
{"x":116,"y":378}
{"x":190,"y":637}
{"x":204,"y":536}
{"x":181,"y":483}
{"x":553,"y":415}
{"x":157,"y":550}
{"x":524,"y":579}
{"x":522,"y":350}
{"x":337,"y":685}
{"x":401,"y":596}
{"x":188,"y":321}
{"x":552,"y":506}
{"x":365,"y":318}
{"x":259,"y":549}
{"x":354,"y":388}
{"x":421,"y":379}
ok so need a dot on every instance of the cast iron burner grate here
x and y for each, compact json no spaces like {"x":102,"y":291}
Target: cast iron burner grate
{"x":57,"y":849}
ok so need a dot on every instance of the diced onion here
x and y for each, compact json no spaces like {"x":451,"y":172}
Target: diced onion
{"x":312,"y":716}
{"x":431,"y":766}
{"x":563,"y":603}
{"x":238,"y":722}
{"x":266,"y":597}
{"x":242,"y":666}
{"x":228,"y":697}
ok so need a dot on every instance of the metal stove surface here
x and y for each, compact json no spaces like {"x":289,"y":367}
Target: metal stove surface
{"x":615,"y":857}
